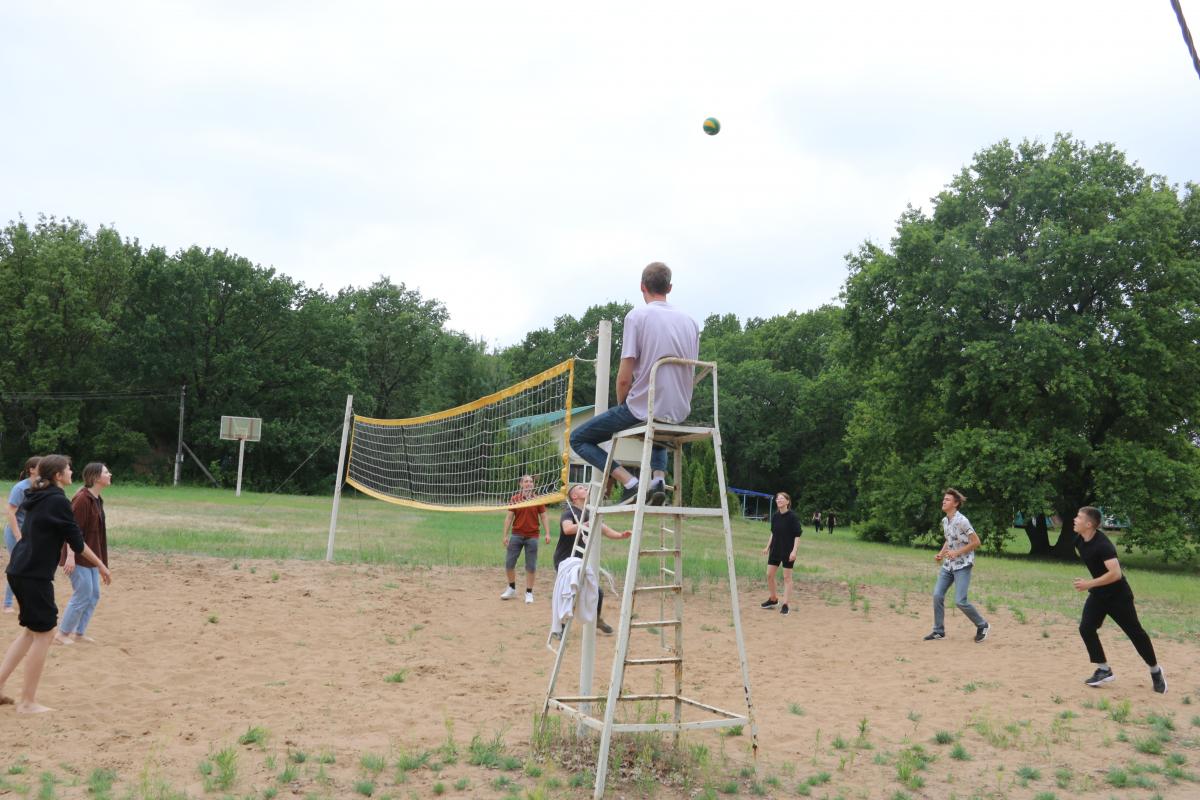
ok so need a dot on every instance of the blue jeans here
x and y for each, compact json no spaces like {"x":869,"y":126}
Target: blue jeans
{"x":86,"y":584}
{"x":10,"y":541}
{"x":961,"y":578}
{"x":600,"y":428}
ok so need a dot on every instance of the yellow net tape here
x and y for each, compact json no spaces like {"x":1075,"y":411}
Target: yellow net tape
{"x":471,"y":458}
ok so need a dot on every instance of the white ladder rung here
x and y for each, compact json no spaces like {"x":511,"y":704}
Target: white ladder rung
{"x":670,"y":587}
{"x":641,"y":662}
{"x":659,"y":552}
{"x":662,"y":511}
{"x":657,"y":623}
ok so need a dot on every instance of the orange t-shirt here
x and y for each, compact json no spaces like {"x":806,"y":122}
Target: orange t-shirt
{"x":525,"y":520}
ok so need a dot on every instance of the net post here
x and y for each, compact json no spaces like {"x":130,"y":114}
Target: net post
{"x":587,"y":645}
{"x":337,"y":486}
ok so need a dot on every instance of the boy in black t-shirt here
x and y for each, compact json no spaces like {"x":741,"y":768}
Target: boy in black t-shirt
{"x":1108,"y":595}
{"x":573,"y":515}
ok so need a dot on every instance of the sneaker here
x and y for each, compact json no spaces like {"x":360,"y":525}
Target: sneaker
{"x":656,"y":492}
{"x":509,"y":594}
{"x":1101,"y":676}
{"x":1159,"y":680}
{"x":628,"y":495}
{"x":603,"y":626}
{"x":528,"y":598}
{"x":769,"y":604}
{"x":982,"y":632}
{"x":934,"y":636}
{"x":783,"y":609}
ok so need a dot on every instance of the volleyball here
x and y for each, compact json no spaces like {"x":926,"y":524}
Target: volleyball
{"x":712,"y":126}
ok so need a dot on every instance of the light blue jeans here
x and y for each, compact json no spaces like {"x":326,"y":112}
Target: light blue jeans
{"x":10,"y":541}
{"x":585,"y":439}
{"x":86,"y":584}
{"x":961,"y":578}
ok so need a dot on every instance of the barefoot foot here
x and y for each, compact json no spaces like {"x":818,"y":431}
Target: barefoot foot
{"x":60,"y":639}
{"x":32,"y":708}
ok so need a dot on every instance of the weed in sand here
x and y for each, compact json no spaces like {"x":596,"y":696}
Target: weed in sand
{"x":462,"y":783}
{"x":100,"y":783}
{"x":943,"y":737}
{"x":364,"y":787}
{"x":397,"y":677}
{"x":288,"y":774}
{"x":796,"y":708}
{"x":372,"y":763}
{"x":255,"y":735}
{"x":959,"y":753}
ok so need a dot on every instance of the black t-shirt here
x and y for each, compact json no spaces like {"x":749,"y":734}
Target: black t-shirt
{"x":1094,"y":554}
{"x":566,"y":543}
{"x":785,"y":528}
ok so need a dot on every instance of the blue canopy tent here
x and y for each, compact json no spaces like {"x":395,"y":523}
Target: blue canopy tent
{"x":747,"y":496}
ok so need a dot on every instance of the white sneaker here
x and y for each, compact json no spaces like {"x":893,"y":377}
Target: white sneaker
{"x":509,"y":594}
{"x":528,"y":598}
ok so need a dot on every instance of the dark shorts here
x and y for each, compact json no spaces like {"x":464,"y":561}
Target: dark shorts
{"x":775,"y":559}
{"x":35,"y":597}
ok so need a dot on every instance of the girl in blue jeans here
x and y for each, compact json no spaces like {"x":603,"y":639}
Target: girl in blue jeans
{"x":12,"y":528}
{"x":85,"y":581}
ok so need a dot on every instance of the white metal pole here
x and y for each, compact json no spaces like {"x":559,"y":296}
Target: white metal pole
{"x":337,"y":486}
{"x":587,"y":646}
{"x":179,"y":445}
{"x":241,"y":458}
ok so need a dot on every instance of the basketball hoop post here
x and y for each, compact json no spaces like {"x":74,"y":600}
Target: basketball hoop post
{"x":241,"y":460}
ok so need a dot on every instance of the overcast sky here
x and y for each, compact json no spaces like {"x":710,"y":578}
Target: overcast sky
{"x":519,"y":160}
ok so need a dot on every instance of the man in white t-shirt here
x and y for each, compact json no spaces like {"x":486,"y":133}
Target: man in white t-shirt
{"x":957,"y":559}
{"x":654,"y":331}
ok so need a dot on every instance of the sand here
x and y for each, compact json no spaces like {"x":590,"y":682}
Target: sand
{"x":192,"y":652}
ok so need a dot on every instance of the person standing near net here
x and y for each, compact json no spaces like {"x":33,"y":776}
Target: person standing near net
{"x":574,"y":515}
{"x":1109,"y":595}
{"x":957,"y":558}
{"x":654,"y":331}
{"x":781,"y":550}
{"x":49,"y":523}
{"x":521,"y":529}
{"x":15,"y":516}
{"x":85,"y":580}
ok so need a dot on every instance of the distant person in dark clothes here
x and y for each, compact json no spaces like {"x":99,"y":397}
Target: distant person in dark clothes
{"x":832,"y":520}
{"x":521,"y":528}
{"x":49,"y":522}
{"x":574,"y":515}
{"x":1109,"y":595}
{"x":816,"y":521}
{"x":781,"y":550}
{"x":85,"y":581}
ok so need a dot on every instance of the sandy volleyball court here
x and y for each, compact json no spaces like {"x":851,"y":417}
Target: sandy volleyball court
{"x":192,"y":652}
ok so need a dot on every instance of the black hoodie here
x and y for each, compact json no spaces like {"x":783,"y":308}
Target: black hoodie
{"x":48,"y":523}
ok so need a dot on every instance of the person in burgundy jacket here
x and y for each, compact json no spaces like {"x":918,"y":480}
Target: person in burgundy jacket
{"x":85,"y":581}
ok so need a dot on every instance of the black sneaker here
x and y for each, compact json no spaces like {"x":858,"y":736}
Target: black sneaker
{"x":1159,"y":680}
{"x":934,"y":636}
{"x":982,"y":632}
{"x":769,"y":603}
{"x":603,"y":626}
{"x":628,"y":495}
{"x":656,"y":492}
{"x":1101,"y":676}
{"x":783,"y":609}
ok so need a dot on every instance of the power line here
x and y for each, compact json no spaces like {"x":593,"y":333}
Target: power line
{"x":131,"y":394}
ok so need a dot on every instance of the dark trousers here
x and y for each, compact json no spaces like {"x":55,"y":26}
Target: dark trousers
{"x":1121,"y":609}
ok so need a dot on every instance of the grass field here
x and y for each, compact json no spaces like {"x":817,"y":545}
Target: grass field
{"x":212,"y":522}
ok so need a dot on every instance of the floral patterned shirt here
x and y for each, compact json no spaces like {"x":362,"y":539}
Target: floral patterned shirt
{"x":957,"y":530}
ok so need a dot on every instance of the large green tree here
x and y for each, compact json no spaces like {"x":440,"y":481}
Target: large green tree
{"x":1033,"y":341}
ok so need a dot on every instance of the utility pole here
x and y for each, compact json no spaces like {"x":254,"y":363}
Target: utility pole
{"x":179,"y":446}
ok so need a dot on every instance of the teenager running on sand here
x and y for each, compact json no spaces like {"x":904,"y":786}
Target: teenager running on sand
{"x":1109,"y":595}
{"x":781,"y":550}
{"x":49,"y":523}
{"x":957,"y":558}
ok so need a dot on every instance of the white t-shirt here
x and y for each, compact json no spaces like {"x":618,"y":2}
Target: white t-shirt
{"x":653,"y":331}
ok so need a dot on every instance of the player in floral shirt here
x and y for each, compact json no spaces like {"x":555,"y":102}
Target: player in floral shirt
{"x":957,"y":557}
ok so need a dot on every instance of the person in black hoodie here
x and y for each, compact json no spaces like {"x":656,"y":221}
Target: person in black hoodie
{"x":49,"y":523}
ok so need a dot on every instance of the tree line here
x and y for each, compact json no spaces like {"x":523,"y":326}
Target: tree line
{"x":1033,"y":339}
